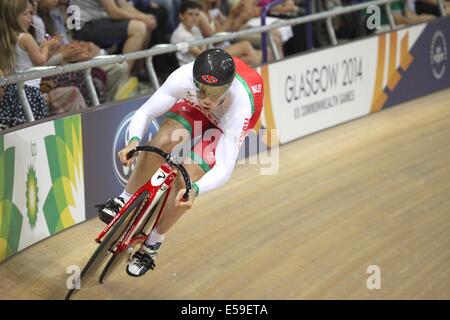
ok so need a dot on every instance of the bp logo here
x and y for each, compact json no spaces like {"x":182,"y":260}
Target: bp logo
{"x":121,"y":138}
{"x":32,"y":196}
{"x":438,"y":55}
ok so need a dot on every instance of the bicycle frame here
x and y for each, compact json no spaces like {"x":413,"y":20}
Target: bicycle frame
{"x":158,"y":185}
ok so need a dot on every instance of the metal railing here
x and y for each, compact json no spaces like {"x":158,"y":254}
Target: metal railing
{"x":265,"y":11}
{"x":148,"y":54}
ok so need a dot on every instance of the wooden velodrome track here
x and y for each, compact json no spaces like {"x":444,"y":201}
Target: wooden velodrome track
{"x":375,"y":191}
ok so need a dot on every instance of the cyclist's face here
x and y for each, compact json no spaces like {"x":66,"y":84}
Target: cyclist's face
{"x":208,"y":105}
{"x":210,"y":97}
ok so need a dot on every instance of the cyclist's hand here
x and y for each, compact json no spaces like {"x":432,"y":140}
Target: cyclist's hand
{"x":123,"y":153}
{"x":181,"y":202}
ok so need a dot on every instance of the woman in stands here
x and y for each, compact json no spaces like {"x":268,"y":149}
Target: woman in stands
{"x":19,"y":50}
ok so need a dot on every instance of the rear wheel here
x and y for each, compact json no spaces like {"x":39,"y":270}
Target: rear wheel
{"x":104,"y":249}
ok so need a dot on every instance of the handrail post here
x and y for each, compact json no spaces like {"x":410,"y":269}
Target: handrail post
{"x":331,"y":32}
{"x":274,"y":47}
{"x":390,"y":16}
{"x":265,"y":11}
{"x":264,"y":36}
{"x":24,"y":101}
{"x":91,"y":88}
{"x":152,"y":73}
{"x":309,"y":26}
{"x":441,"y":8}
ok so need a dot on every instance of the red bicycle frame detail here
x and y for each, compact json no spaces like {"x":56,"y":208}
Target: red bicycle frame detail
{"x":163,"y":178}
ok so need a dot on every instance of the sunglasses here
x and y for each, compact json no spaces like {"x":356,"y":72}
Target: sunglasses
{"x":215,"y":93}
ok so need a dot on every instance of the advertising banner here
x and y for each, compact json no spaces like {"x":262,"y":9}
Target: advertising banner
{"x":321,"y":89}
{"x":41,"y":183}
{"x":426,"y":68}
{"x":105,"y":132}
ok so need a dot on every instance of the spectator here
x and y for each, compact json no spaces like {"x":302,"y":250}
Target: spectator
{"x":114,"y":22}
{"x":188,"y":30}
{"x":164,"y":64}
{"x":172,"y":7}
{"x":403,"y":14}
{"x":212,"y":20}
{"x":106,"y":78}
{"x":15,"y":45}
{"x":289,"y":10}
{"x":163,"y":28}
{"x":431,"y":7}
{"x":59,"y":98}
{"x":246,"y":14}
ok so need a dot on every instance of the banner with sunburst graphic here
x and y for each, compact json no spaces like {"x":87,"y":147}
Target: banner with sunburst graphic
{"x":41,"y":183}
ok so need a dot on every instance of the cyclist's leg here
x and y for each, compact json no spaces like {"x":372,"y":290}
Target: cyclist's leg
{"x":172,"y":213}
{"x":147,"y":163}
{"x":144,"y":259}
{"x":199,"y":162}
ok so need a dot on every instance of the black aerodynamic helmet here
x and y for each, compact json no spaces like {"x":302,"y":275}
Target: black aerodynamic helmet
{"x":214,"y":67}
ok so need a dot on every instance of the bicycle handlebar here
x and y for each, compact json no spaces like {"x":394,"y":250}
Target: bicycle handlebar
{"x":168,"y":158}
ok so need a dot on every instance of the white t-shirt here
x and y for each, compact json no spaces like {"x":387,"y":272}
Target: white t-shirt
{"x":90,"y":10}
{"x":231,"y":117}
{"x":24,"y":63}
{"x":181,"y":34}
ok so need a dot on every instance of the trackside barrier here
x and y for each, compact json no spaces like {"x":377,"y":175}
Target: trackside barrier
{"x":54,"y":171}
{"x":41,"y":72}
{"x":314,"y":91}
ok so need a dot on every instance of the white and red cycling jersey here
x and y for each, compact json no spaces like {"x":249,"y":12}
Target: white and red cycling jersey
{"x":234,"y":117}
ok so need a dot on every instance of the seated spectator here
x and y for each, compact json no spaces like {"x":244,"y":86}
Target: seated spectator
{"x":164,"y":64}
{"x":106,"y":78}
{"x":163,"y":30}
{"x":286,"y":8}
{"x":188,"y":30}
{"x":431,"y":7}
{"x":212,"y":20}
{"x":59,"y":98}
{"x":289,"y":10}
{"x":114,"y":22}
{"x":246,"y":14}
{"x":404,"y":15}
{"x":170,"y":7}
{"x":18,"y":50}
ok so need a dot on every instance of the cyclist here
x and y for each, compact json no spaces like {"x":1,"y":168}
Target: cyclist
{"x":215,"y":91}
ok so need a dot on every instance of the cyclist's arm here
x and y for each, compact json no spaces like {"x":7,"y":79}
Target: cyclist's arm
{"x":158,"y":104}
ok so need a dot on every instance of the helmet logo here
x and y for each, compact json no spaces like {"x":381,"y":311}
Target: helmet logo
{"x":209,"y":79}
